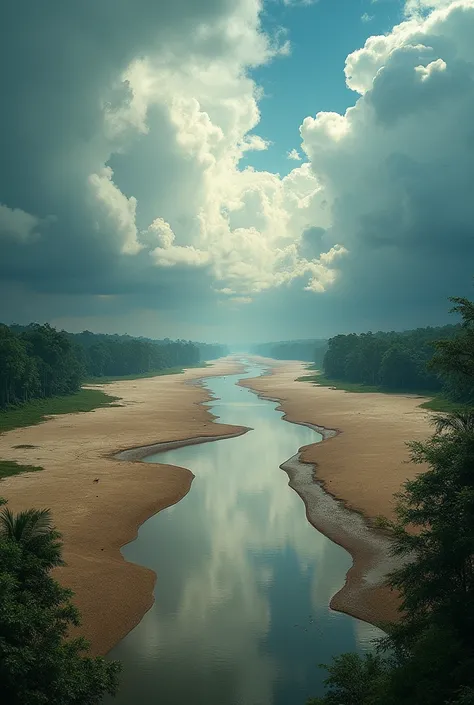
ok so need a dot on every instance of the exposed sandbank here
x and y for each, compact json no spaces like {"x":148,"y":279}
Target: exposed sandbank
{"x":361,"y":462}
{"x":98,"y":518}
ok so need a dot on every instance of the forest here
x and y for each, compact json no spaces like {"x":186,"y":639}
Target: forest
{"x":38,"y":361}
{"x":427,"y":656}
{"x":395,"y":361}
{"x":308,"y":350}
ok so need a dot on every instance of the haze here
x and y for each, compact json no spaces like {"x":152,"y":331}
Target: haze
{"x":231,"y":170}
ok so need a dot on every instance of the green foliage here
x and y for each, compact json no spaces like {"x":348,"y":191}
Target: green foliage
{"x":440,"y":403}
{"x":454,"y":358}
{"x":465,"y":696}
{"x":39,"y":362}
{"x":353,"y":680}
{"x":11,"y":467}
{"x":431,"y":650}
{"x":437,"y":403}
{"x":310,"y":350}
{"x":322,"y":381}
{"x":121,"y":356}
{"x":391,"y":361}
{"x":39,"y":664}
{"x":36,"y":410}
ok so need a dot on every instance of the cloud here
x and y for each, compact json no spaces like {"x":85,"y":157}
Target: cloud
{"x":301,"y":3}
{"x":122,"y":174}
{"x":396,"y":184}
{"x":17,"y":224}
{"x":294,"y":155}
{"x":117,"y":208}
{"x":366,"y":17}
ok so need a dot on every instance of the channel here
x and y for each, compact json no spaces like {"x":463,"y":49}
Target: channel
{"x":241,"y":613}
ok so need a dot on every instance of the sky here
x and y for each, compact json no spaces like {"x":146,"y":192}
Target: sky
{"x":236,"y":170}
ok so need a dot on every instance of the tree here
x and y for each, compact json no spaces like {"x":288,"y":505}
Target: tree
{"x":431,"y":648}
{"x":39,"y":663}
{"x":460,"y":422}
{"x":17,"y":373}
{"x":438,"y":586}
{"x":33,"y":530}
{"x":398,"y":369}
{"x":394,"y":360}
{"x":353,"y":680}
{"x":454,"y":358}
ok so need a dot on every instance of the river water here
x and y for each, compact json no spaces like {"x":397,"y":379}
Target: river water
{"x":241,"y":615}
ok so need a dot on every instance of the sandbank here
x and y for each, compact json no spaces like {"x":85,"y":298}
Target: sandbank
{"x":99,"y":501}
{"x":361,"y":463}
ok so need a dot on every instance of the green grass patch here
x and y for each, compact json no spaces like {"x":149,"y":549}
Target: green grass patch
{"x":443,"y":405}
{"x":35,"y":411}
{"x":434,"y":403}
{"x":11,"y":467}
{"x":145,"y":375}
{"x":323,"y":381}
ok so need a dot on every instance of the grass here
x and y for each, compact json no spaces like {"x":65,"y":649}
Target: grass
{"x":439,"y":403}
{"x":145,"y":375}
{"x":435,"y":403}
{"x":11,"y":467}
{"x":35,"y":411}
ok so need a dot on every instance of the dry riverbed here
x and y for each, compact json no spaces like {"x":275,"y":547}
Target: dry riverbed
{"x":361,"y":462}
{"x":98,"y":502}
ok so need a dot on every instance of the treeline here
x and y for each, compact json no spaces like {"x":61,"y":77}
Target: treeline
{"x":38,"y":361}
{"x":115,"y":356}
{"x":393,"y":361}
{"x":212,"y":351}
{"x":310,"y":350}
{"x":427,"y":657}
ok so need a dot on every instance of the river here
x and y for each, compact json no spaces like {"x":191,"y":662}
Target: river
{"x":241,"y":615}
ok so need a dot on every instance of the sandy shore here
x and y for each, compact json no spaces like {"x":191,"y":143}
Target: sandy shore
{"x":97,"y":518}
{"x":362,"y":465}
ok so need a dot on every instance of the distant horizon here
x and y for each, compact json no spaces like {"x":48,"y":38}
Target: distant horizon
{"x":234,"y":347}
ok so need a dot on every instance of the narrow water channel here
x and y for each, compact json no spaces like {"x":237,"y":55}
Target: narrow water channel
{"x":242,"y":614}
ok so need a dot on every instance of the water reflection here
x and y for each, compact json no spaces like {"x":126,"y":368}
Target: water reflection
{"x":241,"y":614}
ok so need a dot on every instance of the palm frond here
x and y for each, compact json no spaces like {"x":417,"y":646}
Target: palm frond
{"x":460,"y":421}
{"x":25,"y":525}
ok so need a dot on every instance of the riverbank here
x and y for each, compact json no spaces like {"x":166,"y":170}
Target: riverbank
{"x":362,"y":463}
{"x":98,"y":502}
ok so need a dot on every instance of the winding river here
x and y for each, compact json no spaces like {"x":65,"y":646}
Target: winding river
{"x":241,"y":615}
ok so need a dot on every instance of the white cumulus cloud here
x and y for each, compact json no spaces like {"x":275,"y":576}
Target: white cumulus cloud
{"x":294,"y":155}
{"x":141,"y":160}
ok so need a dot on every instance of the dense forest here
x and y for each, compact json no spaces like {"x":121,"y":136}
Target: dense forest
{"x":394,"y":361}
{"x":310,"y":350}
{"x":427,"y":657}
{"x":38,"y":361}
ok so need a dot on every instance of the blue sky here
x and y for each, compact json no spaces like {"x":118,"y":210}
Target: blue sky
{"x":311,"y":79}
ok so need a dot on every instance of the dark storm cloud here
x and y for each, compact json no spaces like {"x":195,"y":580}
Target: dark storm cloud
{"x":60,"y":63}
{"x":401,"y":178}
{"x":397,"y":172}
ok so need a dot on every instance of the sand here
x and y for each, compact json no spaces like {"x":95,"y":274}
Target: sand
{"x":98,"y":518}
{"x":363,"y":464}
